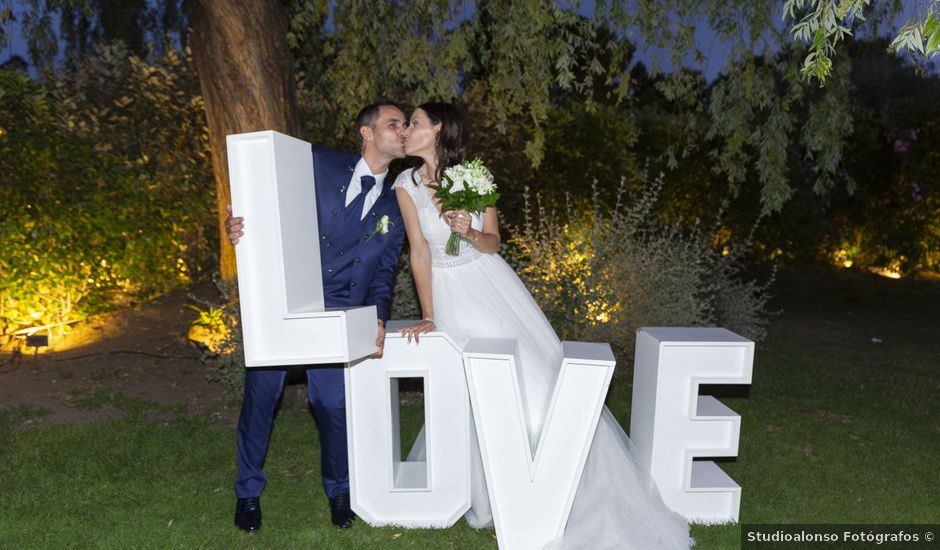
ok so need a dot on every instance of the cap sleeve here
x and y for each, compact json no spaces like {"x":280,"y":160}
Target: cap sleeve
{"x":403,"y":181}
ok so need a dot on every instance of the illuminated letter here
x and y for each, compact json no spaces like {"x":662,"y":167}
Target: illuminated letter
{"x":279,"y":282}
{"x":531,"y":496}
{"x":671,"y":423}
{"x":386,"y":490}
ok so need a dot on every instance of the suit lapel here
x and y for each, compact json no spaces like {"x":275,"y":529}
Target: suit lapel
{"x":337,"y":181}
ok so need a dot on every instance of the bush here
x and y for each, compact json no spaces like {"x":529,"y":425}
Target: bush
{"x":601,"y":274}
{"x":226,"y":354}
{"x":405,"y":304}
{"x":106,"y":187}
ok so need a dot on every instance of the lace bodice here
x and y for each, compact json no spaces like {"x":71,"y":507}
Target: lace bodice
{"x":433,"y":226}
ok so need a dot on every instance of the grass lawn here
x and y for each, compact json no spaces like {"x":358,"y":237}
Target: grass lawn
{"x":836,"y":429}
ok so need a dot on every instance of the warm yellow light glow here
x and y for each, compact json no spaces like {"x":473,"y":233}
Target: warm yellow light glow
{"x":3,"y":132}
{"x":843,"y":258}
{"x":886,"y":272}
{"x":568,"y":270}
{"x":73,"y":341}
{"x":63,"y":335}
{"x":725,"y":251}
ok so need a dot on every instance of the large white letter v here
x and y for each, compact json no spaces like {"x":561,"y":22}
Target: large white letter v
{"x":530,"y":495}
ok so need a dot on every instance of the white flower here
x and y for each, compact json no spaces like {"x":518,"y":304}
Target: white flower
{"x":471,"y":174}
{"x":381,"y":226}
{"x":456,"y":176}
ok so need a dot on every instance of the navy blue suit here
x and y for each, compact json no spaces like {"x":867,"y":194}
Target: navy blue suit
{"x":357,"y":271}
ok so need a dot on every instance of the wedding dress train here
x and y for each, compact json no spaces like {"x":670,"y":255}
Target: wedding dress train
{"x":479,"y":295}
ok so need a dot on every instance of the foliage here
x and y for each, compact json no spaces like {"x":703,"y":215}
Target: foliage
{"x":226,"y":355}
{"x":921,"y":36}
{"x":104,"y":177}
{"x":72,"y":30}
{"x":828,"y":22}
{"x":601,"y":274}
{"x":524,"y":59}
{"x":824,"y":26}
{"x":894,"y":219}
{"x":581,"y":146}
{"x":405,"y":305}
{"x":6,"y":16}
{"x":413,"y":51}
{"x":213,"y":317}
{"x":892,"y":161}
{"x":526,"y":55}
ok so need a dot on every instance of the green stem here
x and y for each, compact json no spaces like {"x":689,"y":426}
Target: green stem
{"x":453,"y":244}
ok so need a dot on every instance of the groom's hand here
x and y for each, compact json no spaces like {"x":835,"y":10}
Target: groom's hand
{"x":233,"y":226}
{"x":380,"y":341}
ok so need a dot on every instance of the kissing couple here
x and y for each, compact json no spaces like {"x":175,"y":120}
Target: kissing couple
{"x":474,"y":294}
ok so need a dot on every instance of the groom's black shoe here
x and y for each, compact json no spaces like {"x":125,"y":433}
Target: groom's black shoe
{"x":341,"y":513}
{"x":248,"y":514}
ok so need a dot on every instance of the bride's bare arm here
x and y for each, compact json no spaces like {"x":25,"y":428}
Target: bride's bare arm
{"x":486,"y":241}
{"x":420,"y":265}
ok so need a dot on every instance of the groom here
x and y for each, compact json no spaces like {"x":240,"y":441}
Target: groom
{"x":359,"y":262}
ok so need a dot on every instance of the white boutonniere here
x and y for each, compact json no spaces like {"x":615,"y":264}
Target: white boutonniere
{"x":381,"y":226}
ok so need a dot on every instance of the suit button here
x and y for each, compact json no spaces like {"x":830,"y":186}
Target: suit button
{"x":323,"y":236}
{"x":358,"y":260}
{"x":373,"y":214}
{"x":352,"y":284}
{"x":341,"y":252}
{"x":327,"y":245}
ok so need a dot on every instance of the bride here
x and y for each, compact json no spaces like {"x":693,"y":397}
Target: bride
{"x":477,"y":294}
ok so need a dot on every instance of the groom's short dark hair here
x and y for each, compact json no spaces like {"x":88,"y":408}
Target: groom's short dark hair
{"x":368,"y":115}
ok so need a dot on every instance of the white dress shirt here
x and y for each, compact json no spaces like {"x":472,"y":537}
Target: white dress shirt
{"x":355,"y":186}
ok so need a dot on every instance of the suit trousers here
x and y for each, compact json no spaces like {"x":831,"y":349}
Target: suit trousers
{"x":327,"y":397}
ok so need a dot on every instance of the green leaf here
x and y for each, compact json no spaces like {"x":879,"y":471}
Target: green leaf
{"x":819,"y":39}
{"x":933,"y":44}
{"x":931,"y":25}
{"x":843,"y":8}
{"x":918,"y":40}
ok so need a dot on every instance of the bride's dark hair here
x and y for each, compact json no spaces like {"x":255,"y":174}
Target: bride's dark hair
{"x":451,"y":146}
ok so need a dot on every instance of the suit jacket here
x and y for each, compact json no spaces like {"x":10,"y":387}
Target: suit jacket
{"x":357,"y":270}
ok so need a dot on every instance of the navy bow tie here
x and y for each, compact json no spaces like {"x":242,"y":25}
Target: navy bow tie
{"x":368,"y":182}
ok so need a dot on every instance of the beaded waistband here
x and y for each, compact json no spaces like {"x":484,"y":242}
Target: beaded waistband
{"x":439,"y":258}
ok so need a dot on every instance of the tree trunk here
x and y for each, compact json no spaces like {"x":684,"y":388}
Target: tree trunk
{"x":246,"y":72}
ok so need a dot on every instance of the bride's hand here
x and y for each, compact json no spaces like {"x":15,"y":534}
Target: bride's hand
{"x":423,"y":326}
{"x":459,"y":221}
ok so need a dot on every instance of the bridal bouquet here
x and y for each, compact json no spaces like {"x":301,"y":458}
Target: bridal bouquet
{"x":467,"y":186}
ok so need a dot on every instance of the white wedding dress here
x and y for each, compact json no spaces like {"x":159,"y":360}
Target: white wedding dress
{"x":479,"y":295}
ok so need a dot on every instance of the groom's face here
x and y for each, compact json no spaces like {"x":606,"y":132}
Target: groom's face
{"x":387,"y":133}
